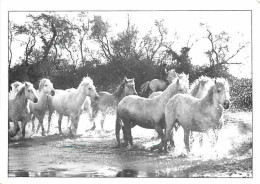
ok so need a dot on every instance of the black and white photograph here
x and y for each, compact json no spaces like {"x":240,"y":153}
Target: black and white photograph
{"x":107,"y":92}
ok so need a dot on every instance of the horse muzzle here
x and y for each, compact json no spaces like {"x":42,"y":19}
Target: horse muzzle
{"x":35,"y":100}
{"x":226,"y":104}
{"x":52,"y":92}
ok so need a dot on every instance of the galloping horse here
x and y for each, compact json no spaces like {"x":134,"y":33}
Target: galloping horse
{"x":16,"y":86}
{"x":108,"y":102}
{"x":39,"y":109}
{"x":147,"y":113}
{"x":69,"y":102}
{"x":17,"y":108}
{"x":199,"y":89}
{"x":195,"y":114}
{"x":156,"y":84}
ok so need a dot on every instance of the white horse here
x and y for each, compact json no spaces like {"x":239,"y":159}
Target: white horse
{"x":16,"y":86}
{"x":195,"y":114}
{"x":17,"y":108}
{"x":69,"y":103}
{"x":147,"y":113}
{"x":39,"y":109}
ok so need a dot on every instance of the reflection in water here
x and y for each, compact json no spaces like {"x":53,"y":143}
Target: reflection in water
{"x":21,"y":173}
{"x":127,"y":173}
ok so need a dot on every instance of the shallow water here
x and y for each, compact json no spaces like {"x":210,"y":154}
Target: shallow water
{"x":92,"y":154}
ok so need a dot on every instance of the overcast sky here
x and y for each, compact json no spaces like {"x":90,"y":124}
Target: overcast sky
{"x":236,"y":23}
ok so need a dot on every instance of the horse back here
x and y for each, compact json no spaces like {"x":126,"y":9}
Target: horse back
{"x":157,"y":85}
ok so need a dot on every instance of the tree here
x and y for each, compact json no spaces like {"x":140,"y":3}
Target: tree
{"x":219,"y":53}
{"x":155,"y":46}
{"x":99,"y":31}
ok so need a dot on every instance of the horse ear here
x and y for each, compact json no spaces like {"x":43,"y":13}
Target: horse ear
{"x":178,"y":81}
{"x":215,"y":81}
{"x":125,"y":79}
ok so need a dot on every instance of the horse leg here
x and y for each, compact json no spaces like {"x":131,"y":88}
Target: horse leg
{"x":33,"y":127}
{"x":118,"y":127}
{"x":192,"y":138}
{"x":68,"y":121}
{"x":187,"y":139}
{"x":102,"y":121}
{"x":15,"y":130}
{"x":49,"y":121}
{"x":93,"y":117}
{"x":24,"y":122}
{"x":169,"y":124}
{"x":172,"y":144}
{"x":201,"y":139}
{"x":41,"y":124}
{"x":59,"y":123}
{"x":214,"y":138}
{"x":127,"y":134}
{"x":74,"y":124}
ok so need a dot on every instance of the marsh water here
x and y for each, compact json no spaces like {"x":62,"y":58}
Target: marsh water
{"x":92,"y":153}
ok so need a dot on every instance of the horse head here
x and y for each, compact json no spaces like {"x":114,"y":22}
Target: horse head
{"x":221,"y":92}
{"x":88,"y":88}
{"x":30,"y":92}
{"x":183,"y":83}
{"x":129,"y":86}
{"x":171,"y":75}
{"x":16,"y":86}
{"x":46,"y":86}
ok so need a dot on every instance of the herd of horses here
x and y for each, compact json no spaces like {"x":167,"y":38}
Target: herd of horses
{"x":160,"y":105}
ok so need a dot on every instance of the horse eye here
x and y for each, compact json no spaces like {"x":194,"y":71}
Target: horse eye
{"x":89,"y":88}
{"x":218,"y":91}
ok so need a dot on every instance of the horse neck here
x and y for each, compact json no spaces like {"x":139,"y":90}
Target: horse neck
{"x":22,"y":99}
{"x":120,"y":93}
{"x":166,"y":95}
{"x":208,"y":99}
{"x":80,"y":96}
{"x":42,"y":98}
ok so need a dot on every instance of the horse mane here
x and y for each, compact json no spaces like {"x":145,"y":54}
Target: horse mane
{"x":145,"y":88}
{"x":86,"y":80}
{"x":119,"y":90}
{"x":20,"y":92}
{"x":196,"y":84}
{"x":41,"y":83}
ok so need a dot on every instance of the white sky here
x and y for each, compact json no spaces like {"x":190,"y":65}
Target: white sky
{"x":236,"y":23}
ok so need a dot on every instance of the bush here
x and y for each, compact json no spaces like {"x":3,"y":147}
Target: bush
{"x":241,"y":93}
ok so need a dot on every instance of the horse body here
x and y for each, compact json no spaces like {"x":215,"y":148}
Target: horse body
{"x":195,"y":114}
{"x":17,"y":108}
{"x":108,"y":102}
{"x":154,"y":94}
{"x":39,"y":109}
{"x":147,"y":113}
{"x":69,"y":102}
{"x":157,"y":85}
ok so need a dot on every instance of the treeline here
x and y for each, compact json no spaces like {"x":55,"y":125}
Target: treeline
{"x":61,"y":49}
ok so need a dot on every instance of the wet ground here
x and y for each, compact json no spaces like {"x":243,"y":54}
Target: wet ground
{"x":91,"y":154}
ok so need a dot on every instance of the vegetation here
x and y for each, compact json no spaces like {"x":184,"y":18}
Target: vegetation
{"x":61,"y":49}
